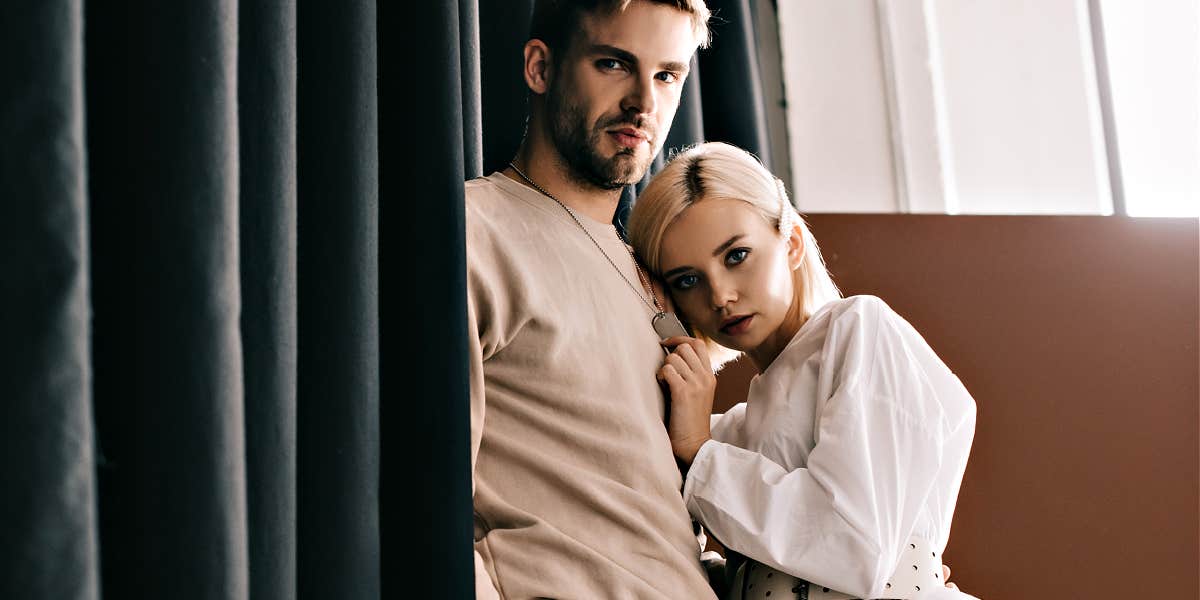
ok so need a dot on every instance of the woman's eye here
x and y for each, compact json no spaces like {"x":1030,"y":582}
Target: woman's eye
{"x":684,"y":283}
{"x":736,"y":256}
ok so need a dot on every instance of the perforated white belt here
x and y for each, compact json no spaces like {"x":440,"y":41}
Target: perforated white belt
{"x":920,"y":569}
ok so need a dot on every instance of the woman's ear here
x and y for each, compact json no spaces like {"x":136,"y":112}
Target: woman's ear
{"x":537,"y":66}
{"x":796,"y":247}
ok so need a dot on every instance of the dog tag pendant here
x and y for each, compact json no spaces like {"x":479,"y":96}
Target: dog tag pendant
{"x":667,"y":325}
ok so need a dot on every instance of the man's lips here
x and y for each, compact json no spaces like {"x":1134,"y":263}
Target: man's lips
{"x":736,"y":325}
{"x":629,"y":137}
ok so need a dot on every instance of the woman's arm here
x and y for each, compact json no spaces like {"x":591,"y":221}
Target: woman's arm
{"x":841,"y":521}
{"x":881,"y":437}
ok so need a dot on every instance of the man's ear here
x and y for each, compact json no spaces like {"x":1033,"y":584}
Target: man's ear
{"x":537,"y":66}
{"x":796,"y":247}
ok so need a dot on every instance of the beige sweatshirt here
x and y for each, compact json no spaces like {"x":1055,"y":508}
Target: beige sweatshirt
{"x":577,"y":494}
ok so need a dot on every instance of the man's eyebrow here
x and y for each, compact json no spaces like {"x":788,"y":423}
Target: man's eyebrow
{"x":615,"y":52}
{"x":628,"y":57}
{"x":723,"y":247}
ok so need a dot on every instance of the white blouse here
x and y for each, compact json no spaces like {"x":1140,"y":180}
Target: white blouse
{"x":854,"y":439}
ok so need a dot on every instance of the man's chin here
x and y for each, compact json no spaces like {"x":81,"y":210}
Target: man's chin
{"x":629,"y":168}
{"x":624,"y":168}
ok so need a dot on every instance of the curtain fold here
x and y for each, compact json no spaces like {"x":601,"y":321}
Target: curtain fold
{"x":425,"y":149}
{"x":232,"y":267}
{"x":732,"y":88}
{"x":337,"y":474}
{"x":267,"y":238}
{"x":47,"y":502}
{"x":503,"y":31}
{"x":163,"y":147}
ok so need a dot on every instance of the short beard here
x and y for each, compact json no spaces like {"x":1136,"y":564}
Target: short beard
{"x":577,"y":145}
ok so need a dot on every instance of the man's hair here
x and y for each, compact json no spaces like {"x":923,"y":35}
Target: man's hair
{"x":556,"y":22}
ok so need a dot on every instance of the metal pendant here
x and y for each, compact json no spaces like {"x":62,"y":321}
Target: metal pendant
{"x":667,"y":325}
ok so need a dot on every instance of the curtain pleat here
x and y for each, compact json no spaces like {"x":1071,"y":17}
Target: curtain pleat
{"x":732,"y":87}
{"x":47,"y":500}
{"x":267,"y":118}
{"x":503,"y":31}
{"x":426,"y":485}
{"x":232,"y":339}
{"x":472,"y":95}
{"x":163,"y":148}
{"x":337,"y":475}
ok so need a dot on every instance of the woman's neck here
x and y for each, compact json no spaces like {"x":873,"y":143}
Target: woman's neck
{"x":766,"y":352}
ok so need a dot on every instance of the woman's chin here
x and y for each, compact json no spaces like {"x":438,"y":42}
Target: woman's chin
{"x":731,"y":342}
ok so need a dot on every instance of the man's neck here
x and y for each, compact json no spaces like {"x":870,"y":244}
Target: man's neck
{"x":546,"y":168}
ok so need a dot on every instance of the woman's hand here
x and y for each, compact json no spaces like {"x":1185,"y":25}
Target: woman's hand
{"x":692,"y":385}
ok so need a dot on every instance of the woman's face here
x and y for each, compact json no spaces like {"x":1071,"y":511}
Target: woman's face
{"x":730,"y":273}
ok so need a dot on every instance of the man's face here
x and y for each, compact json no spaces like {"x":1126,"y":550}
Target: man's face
{"x":614,"y":93}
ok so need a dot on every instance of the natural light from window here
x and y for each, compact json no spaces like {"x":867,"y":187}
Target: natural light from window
{"x":1154,"y":68}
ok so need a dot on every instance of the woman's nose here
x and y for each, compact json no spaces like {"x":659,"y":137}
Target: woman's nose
{"x":722,"y":296}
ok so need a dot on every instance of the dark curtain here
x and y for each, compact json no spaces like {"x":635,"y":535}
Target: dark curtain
{"x":232,"y":282}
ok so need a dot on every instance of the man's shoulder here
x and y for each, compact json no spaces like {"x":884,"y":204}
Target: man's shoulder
{"x":480,"y":185}
{"x":481,"y":191}
{"x":489,"y":200}
{"x":498,"y":222}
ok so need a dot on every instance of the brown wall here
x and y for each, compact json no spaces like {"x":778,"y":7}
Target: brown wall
{"x":1078,"y":338}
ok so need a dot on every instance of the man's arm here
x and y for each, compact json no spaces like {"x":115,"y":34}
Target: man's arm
{"x":485,"y":588}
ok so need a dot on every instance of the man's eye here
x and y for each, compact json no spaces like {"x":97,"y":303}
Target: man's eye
{"x":608,"y":64}
{"x":736,"y":256}
{"x":667,"y":77}
{"x":684,"y":283}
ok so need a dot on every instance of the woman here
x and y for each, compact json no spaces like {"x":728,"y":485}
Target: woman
{"x":842,"y":468}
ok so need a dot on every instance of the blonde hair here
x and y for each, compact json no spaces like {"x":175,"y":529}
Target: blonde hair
{"x":716,"y":170}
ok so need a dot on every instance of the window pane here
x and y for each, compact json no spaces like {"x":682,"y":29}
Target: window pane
{"x":1154,"y":69}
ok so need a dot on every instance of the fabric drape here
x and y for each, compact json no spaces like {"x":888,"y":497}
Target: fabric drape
{"x":48,"y":498}
{"x":426,"y":483}
{"x":232,"y":282}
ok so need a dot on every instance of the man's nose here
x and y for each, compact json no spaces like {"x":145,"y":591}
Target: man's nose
{"x":641,"y":99}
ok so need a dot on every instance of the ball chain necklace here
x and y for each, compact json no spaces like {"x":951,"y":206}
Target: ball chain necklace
{"x":665,"y":323}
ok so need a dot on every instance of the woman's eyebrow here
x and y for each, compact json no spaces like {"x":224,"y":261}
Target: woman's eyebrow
{"x":729,"y":242}
{"x":676,"y":271}
{"x":723,"y":247}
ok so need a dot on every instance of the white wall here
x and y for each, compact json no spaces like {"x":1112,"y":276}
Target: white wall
{"x":985,"y":106}
{"x":1022,"y":106}
{"x":837,"y":114}
{"x":1153,"y":62}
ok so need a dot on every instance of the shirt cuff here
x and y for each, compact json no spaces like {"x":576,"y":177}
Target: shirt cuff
{"x":698,"y":473}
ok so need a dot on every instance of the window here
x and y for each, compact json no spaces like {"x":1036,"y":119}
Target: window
{"x":993,"y":107}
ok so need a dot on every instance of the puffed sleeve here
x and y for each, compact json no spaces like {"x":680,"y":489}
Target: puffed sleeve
{"x":727,"y":427}
{"x":841,"y":520}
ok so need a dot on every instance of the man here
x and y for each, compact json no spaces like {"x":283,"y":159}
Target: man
{"x":576,"y":489}
{"x":577,"y":494}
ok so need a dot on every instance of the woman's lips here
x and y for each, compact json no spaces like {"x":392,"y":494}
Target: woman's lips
{"x":737,"y":326}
